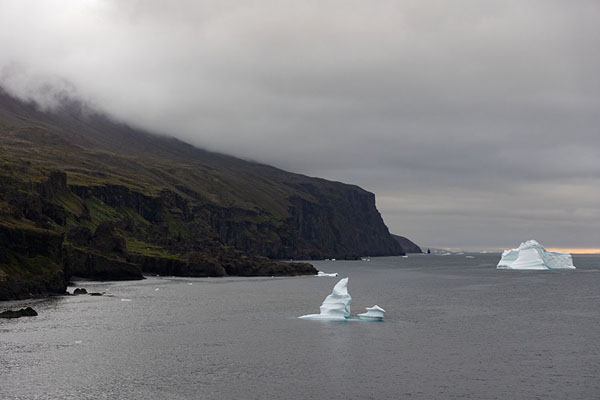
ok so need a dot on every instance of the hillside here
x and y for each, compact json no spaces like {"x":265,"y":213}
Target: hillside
{"x":126,"y":200}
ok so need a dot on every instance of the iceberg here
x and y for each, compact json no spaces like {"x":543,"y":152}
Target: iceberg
{"x":321,"y":273}
{"x":532,"y":255}
{"x":336,"y":306}
{"x":374,"y":313}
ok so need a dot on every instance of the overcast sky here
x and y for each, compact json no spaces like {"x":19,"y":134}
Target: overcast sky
{"x":475,"y":123}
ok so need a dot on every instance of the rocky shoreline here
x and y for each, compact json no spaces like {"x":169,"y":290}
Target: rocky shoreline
{"x":38,"y":262}
{"x":21,"y":289}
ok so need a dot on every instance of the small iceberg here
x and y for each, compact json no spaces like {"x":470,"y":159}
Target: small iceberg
{"x":374,"y":313}
{"x":532,"y":255}
{"x":321,"y":273}
{"x":336,"y":306}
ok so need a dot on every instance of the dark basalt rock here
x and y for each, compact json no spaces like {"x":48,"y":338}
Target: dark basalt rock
{"x":200,"y":265}
{"x":106,"y":239}
{"x":261,"y":266}
{"x":89,"y":264}
{"x":206,"y":265}
{"x":158,"y":265}
{"x":23,"y":312}
{"x":30,"y":263}
{"x":54,"y":185}
{"x":407,"y":245}
{"x":80,"y":236}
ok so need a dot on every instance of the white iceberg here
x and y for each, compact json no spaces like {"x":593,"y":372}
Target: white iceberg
{"x":532,"y":255}
{"x":336,"y":306}
{"x":321,"y":273}
{"x":374,"y":313}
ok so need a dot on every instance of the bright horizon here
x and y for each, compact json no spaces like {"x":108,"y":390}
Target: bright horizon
{"x":571,"y":250}
{"x":575,"y":250}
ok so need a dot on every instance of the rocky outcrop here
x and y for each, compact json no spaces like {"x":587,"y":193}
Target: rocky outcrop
{"x":23,"y":312}
{"x":30,"y":262}
{"x":87,"y":263}
{"x":194,"y":266}
{"x":261,"y":266}
{"x":106,"y":240}
{"x":407,"y":245}
{"x":203,"y":265}
{"x":55,"y":184}
{"x":80,"y":236}
{"x":342,"y":224}
{"x":101,"y":256}
{"x":149,"y":207}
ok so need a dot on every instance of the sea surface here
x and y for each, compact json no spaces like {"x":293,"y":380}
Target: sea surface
{"x":455,"y":328}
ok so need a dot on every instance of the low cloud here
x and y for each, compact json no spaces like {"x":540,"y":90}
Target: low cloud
{"x":475,"y":123}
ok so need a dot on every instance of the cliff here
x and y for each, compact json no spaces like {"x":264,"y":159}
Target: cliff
{"x":407,"y":245}
{"x":30,"y":262}
{"x":171,"y":206}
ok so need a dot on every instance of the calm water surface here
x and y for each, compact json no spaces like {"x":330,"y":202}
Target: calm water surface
{"x":454,"y":328}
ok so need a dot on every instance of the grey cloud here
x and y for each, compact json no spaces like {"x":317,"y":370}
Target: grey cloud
{"x":474,"y":122}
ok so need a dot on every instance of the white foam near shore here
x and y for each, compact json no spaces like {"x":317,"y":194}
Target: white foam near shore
{"x":330,"y":274}
{"x":532,"y":255}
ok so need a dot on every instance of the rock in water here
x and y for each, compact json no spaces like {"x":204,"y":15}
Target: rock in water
{"x":336,"y":306}
{"x":23,"y":312}
{"x":374,"y":313}
{"x":532,"y":255}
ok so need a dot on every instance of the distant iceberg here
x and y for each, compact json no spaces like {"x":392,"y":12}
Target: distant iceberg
{"x":532,"y":255}
{"x":332,"y":274}
{"x":336,"y":306}
{"x":374,"y":313}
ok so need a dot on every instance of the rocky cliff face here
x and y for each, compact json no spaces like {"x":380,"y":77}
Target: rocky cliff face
{"x":172,"y":207}
{"x":30,"y":262}
{"x":407,"y":245}
{"x":344,"y":224}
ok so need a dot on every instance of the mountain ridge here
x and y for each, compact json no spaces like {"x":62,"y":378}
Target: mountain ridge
{"x":174,"y":206}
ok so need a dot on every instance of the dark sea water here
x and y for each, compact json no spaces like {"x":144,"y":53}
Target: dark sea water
{"x":454,"y":328}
